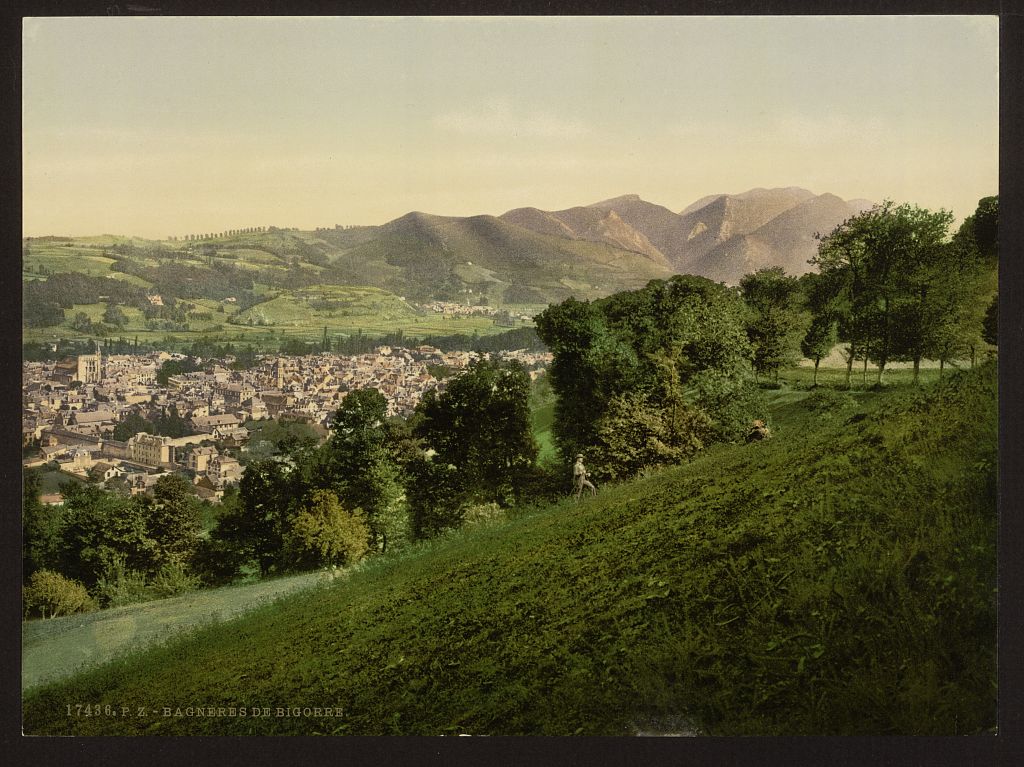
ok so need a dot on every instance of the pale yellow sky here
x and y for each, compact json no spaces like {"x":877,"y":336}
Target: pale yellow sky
{"x":157,"y":127}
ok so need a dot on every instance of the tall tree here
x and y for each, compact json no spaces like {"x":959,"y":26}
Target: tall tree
{"x":481,"y":425}
{"x":40,"y":526}
{"x":173,"y":521}
{"x":776,"y":322}
{"x":891,"y":265}
{"x":254,"y":527}
{"x":361,"y":463}
{"x":100,"y":530}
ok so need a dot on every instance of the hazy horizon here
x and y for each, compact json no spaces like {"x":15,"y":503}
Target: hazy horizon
{"x":159,"y":127}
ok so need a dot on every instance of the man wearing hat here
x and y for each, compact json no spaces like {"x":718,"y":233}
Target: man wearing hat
{"x":579,"y":477}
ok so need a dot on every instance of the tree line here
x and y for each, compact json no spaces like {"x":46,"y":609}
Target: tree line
{"x":892,"y":286}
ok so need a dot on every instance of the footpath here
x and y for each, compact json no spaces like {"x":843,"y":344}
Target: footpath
{"x":59,"y":647}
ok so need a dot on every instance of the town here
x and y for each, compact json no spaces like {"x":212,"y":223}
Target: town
{"x":72,"y":407}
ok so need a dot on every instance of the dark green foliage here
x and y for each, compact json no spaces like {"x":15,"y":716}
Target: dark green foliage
{"x":41,"y":314}
{"x":361,"y":464}
{"x":216,"y":562}
{"x":775,"y":323}
{"x":130,"y":425}
{"x":113,"y":315}
{"x":68,"y":288}
{"x":986,"y":227}
{"x":40,"y":527}
{"x":990,"y":324}
{"x":99,"y":529}
{"x":174,"y":368}
{"x":437,"y":496}
{"x":173,"y":521}
{"x":170,"y":424}
{"x":253,"y":525}
{"x":42,"y":351}
{"x":673,"y":345}
{"x":838,"y":579}
{"x":481,"y":425}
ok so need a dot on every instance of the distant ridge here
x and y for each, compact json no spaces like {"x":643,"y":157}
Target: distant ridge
{"x":721,"y":236}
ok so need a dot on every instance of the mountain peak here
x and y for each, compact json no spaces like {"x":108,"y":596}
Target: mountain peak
{"x":616,"y":200}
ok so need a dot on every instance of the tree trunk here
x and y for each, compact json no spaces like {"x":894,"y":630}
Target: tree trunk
{"x":881,"y":368}
{"x":917,"y":369}
{"x":816,"y":361}
{"x":972,"y":356}
{"x":849,"y":366}
{"x":942,"y":364}
{"x":864,"y":374}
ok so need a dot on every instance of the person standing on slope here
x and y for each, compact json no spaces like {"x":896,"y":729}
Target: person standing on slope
{"x":579,"y":477}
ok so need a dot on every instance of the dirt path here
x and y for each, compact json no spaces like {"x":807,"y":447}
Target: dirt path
{"x":53,"y":649}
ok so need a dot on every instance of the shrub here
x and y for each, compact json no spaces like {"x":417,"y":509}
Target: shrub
{"x":731,"y":401}
{"x":50,"y":592}
{"x":324,"y":533}
{"x":171,"y":580}
{"x":121,"y":586}
{"x":634,"y":434}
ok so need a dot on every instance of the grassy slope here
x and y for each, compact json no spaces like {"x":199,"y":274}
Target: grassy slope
{"x":837,"y":579}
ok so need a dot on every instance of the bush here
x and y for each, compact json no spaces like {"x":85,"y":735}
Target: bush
{"x":324,"y":533}
{"x":829,"y":402}
{"x":633,"y":435}
{"x":120,"y":586}
{"x":171,"y":580}
{"x":731,"y":401}
{"x":50,"y":592}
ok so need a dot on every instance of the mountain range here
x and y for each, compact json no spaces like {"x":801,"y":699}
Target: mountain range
{"x":526,"y":256}
{"x":530,"y":255}
{"x":721,"y":236}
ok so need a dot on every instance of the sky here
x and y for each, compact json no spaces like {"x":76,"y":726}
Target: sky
{"x":169,"y":126}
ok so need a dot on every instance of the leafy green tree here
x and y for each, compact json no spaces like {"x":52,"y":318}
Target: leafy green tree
{"x":895,"y":270}
{"x":986,"y":227}
{"x":674,"y":346}
{"x":253,"y":528}
{"x":325,"y":533}
{"x":113,"y":315}
{"x":40,"y":526}
{"x":818,"y":341}
{"x":481,"y":425}
{"x":590,"y":366}
{"x":437,"y":495}
{"x":633,"y":435}
{"x":173,"y":521}
{"x":130,"y":425}
{"x":170,"y":424}
{"x":100,"y":529}
{"x":81,"y":322}
{"x":776,"y":321}
{"x":820,"y":301}
{"x":175,"y":367}
{"x":360,"y":463}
